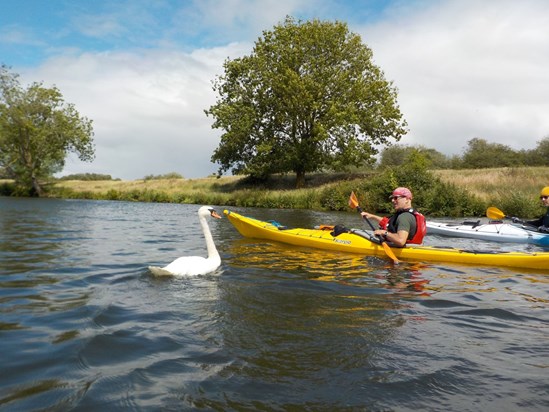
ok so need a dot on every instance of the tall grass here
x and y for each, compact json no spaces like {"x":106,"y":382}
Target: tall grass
{"x":515,"y":190}
{"x":454,"y":193}
{"x":230,"y":191}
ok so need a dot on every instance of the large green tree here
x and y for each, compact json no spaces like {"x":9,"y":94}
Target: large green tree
{"x":308,"y":98}
{"x":37,"y":131}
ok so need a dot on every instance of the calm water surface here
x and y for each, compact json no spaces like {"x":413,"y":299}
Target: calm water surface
{"x":85,"y":326}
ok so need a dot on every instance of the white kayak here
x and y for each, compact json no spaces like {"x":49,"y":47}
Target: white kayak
{"x":492,"y":231}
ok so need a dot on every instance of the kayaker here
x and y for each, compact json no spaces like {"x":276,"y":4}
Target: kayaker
{"x":543,"y":222}
{"x":406,"y":225}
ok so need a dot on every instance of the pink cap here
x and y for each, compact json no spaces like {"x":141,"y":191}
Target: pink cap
{"x":402,"y":191}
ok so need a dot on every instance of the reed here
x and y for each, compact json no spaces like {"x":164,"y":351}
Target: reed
{"x":487,"y":183}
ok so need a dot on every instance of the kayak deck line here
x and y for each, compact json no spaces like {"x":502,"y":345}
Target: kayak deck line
{"x":358,"y":241}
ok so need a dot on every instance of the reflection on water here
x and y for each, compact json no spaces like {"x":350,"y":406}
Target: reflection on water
{"x":328,"y":266}
{"x":85,"y":326}
{"x":276,"y":256}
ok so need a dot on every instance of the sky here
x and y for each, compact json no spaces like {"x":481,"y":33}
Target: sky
{"x":142,"y":70}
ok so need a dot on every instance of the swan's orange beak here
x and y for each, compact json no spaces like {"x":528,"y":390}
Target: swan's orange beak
{"x":213,"y":213}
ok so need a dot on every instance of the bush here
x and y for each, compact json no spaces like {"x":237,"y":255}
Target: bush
{"x":431,"y":196}
{"x":335,"y":197}
{"x":518,"y":204}
{"x":7,"y":188}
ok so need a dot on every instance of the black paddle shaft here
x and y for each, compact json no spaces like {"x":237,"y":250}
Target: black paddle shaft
{"x":359,"y":209}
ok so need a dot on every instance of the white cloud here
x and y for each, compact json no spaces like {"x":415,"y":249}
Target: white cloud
{"x":238,"y":18}
{"x":468,"y":69}
{"x":147,"y":109}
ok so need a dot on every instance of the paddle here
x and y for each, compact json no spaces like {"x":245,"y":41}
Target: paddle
{"x":496,"y":214}
{"x":353,"y":202}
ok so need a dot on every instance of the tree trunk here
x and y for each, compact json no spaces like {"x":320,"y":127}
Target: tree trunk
{"x":36,"y":187}
{"x":300,"y":179}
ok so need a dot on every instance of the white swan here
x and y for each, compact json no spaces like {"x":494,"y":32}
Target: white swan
{"x":195,"y":265}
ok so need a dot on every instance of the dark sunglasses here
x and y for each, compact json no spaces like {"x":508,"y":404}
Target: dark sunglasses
{"x":543,"y":197}
{"x":396,"y":197}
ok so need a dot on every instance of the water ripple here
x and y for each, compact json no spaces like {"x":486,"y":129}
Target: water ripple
{"x":84,"y":325}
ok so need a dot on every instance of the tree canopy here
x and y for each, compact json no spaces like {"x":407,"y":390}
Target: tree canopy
{"x":398,"y":155}
{"x":481,"y":154}
{"x":538,"y":156}
{"x":37,"y":131}
{"x":308,"y":98}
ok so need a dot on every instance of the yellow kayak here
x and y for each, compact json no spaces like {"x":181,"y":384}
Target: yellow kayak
{"x":360,"y":242}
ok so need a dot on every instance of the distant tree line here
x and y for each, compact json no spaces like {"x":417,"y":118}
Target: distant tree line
{"x":479,"y":154}
{"x":97,"y":176}
{"x":87,"y":176}
{"x":171,"y":175}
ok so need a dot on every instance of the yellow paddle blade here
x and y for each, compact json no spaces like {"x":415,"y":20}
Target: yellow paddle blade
{"x":353,"y":201}
{"x":389,"y":252}
{"x":494,"y":213}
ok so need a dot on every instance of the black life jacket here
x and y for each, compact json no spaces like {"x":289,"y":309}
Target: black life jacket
{"x":545,"y":219}
{"x":421,"y":225}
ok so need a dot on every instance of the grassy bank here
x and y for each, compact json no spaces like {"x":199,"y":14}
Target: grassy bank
{"x":455,"y":193}
{"x":513,"y":190}
{"x":229,"y":190}
{"x":500,"y":182}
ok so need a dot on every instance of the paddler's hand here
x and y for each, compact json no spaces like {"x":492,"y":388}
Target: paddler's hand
{"x":381,"y":233}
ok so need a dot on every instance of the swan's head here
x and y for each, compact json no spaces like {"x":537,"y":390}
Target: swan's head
{"x":208,"y":210}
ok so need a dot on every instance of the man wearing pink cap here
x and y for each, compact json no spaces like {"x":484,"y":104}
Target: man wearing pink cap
{"x":406,"y":225}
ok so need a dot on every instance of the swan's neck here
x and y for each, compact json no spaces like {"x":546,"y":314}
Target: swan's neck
{"x":210,"y":245}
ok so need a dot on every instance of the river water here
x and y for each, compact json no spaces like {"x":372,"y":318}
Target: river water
{"x":85,"y":326}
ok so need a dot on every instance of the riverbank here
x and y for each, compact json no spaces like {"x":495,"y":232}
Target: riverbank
{"x":454,"y":193}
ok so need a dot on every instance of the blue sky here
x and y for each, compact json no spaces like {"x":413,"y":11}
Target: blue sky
{"x":142,"y":70}
{"x":34,"y":30}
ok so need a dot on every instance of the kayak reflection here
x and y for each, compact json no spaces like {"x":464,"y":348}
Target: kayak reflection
{"x":326,"y":266}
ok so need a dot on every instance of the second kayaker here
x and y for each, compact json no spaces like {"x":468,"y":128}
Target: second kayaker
{"x":543,"y":222}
